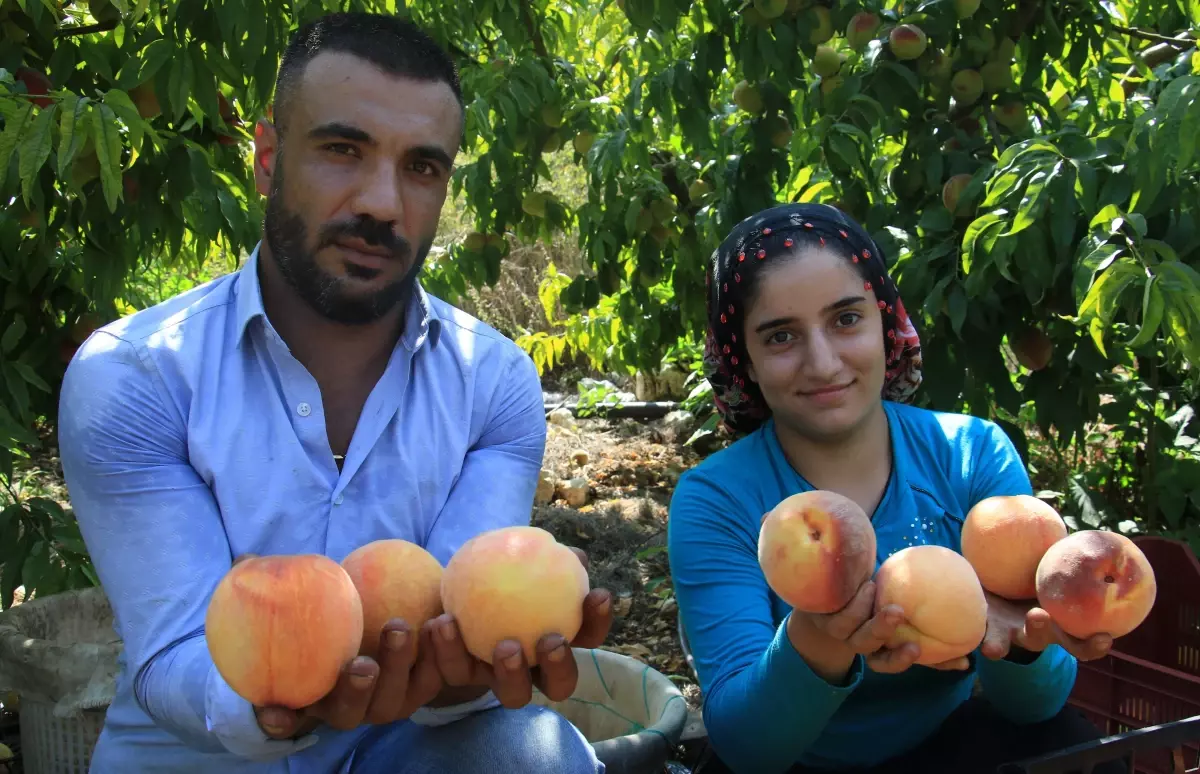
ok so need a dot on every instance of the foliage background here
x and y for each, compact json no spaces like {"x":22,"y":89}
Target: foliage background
{"x":609,"y":147}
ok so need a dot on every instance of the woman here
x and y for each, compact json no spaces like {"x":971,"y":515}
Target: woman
{"x":811,"y":356}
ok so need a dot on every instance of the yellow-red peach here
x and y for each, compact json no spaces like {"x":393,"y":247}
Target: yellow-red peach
{"x":281,"y":628}
{"x":515,"y":583}
{"x":1004,"y":538}
{"x":816,"y":549}
{"x":395,"y":579}
{"x":1096,"y":582}
{"x":945,"y":610}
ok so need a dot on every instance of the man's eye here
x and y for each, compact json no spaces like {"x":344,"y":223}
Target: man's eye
{"x":342,"y":148}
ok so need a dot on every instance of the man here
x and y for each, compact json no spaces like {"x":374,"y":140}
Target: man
{"x":312,"y":402}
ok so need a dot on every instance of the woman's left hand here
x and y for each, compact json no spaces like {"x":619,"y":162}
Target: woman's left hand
{"x":1026,"y":626}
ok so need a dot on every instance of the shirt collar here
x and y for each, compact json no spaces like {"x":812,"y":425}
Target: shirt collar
{"x":421,"y":321}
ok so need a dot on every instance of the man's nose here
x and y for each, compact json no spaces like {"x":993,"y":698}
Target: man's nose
{"x":379,"y":194}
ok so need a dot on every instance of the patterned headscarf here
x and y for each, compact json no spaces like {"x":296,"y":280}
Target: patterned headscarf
{"x":753,"y":244}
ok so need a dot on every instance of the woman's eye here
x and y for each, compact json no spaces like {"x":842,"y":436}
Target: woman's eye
{"x":779,"y":337}
{"x":846,"y":319}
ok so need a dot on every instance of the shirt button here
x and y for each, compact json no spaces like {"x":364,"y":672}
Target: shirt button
{"x":304,"y":409}
{"x":338,"y":500}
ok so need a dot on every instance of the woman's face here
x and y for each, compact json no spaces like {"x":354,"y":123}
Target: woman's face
{"x":815,"y":340}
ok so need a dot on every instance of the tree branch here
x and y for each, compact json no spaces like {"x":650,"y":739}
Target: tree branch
{"x":1153,"y":56}
{"x":1154,"y":37}
{"x":535,"y":34}
{"x":85,"y":29}
{"x":491,"y":49}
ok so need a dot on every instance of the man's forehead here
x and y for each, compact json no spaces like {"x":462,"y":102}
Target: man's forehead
{"x":340,"y":82}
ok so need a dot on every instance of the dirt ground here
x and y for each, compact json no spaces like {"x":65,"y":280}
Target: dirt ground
{"x":632,"y":468}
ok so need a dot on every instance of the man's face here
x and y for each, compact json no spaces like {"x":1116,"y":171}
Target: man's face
{"x":356,"y":188}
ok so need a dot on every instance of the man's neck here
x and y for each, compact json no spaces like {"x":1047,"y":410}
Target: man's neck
{"x":331,"y":351}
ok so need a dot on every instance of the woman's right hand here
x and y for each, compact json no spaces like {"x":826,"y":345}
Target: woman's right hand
{"x":829,"y":642}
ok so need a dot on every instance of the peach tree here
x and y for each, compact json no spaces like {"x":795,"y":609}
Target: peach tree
{"x":1030,"y":167}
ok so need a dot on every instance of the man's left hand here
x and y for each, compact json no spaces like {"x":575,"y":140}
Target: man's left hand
{"x":509,"y":676}
{"x":1026,"y":626}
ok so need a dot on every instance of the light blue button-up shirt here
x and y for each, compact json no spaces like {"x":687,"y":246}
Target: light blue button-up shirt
{"x":190,"y":435}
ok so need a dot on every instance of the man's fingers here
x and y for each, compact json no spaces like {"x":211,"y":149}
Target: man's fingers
{"x":844,"y":623}
{"x":583,"y":557}
{"x":556,"y":673}
{"x":455,"y":663}
{"x":397,"y":654}
{"x":511,"y":682}
{"x":875,"y":633}
{"x":996,"y":640}
{"x":890,"y":661}
{"x":597,"y":619}
{"x":346,"y":705}
{"x":425,"y":680}
{"x":278,"y":722}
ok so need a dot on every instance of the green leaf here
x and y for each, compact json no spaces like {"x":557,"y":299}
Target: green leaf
{"x":71,"y":133}
{"x":1152,"y":314}
{"x":957,"y":307}
{"x":35,"y":148}
{"x":1034,"y":202}
{"x":108,"y":152}
{"x":1102,"y":299}
{"x":12,"y":334}
{"x":977,"y":229}
{"x":30,"y":376}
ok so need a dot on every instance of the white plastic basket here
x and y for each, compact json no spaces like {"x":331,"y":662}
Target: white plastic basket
{"x":632,"y":714}
{"x":54,"y":745}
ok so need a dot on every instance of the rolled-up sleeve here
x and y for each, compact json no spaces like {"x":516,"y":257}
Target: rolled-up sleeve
{"x":157,"y":540}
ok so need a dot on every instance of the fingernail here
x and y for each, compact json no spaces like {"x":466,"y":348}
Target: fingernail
{"x":361,"y":681}
{"x":272,"y":730}
{"x":604,"y":606}
{"x":513,"y":661}
{"x":558,"y":654}
{"x":396,"y":639}
{"x":447,"y":631}
{"x":1038,"y":624}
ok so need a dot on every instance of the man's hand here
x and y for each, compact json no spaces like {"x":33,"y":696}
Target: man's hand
{"x":1026,"y":626}
{"x":509,"y":676}
{"x":404,"y":679}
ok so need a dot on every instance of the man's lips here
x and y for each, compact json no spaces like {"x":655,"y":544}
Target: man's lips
{"x":365,"y":254}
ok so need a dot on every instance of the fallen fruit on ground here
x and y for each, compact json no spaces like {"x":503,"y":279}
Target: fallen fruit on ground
{"x":515,"y":583}
{"x":816,"y":549}
{"x":280,"y":629}
{"x":395,"y":579}
{"x":907,"y":41}
{"x":1096,"y":582}
{"x":952,"y":192}
{"x":944,"y":607}
{"x":1005,"y":537}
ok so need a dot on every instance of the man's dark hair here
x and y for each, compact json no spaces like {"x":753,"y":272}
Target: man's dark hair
{"x":395,"y":45}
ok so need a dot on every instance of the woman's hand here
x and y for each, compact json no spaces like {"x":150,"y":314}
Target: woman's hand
{"x":829,"y":642}
{"x":1026,"y":626}
{"x":509,"y":676}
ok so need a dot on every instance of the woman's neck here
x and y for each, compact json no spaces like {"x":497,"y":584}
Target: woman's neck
{"x":856,"y":465}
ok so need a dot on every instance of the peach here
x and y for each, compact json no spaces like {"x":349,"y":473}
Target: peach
{"x":907,"y":41}
{"x":514,"y":583}
{"x":952,"y":191}
{"x":862,"y":29}
{"x":944,"y":607}
{"x":816,"y":549}
{"x":395,"y":579}
{"x":1004,"y":538}
{"x":281,"y":628}
{"x":1096,"y":582}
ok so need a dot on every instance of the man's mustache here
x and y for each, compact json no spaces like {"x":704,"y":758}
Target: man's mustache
{"x":374,"y":232}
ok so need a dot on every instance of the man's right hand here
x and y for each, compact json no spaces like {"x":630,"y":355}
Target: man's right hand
{"x":405,"y":678}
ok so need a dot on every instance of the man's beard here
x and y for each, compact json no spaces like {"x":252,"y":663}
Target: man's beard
{"x":287,"y":236}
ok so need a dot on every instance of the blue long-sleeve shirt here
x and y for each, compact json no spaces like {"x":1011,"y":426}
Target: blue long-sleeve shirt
{"x":189,"y":435}
{"x":764,"y":708}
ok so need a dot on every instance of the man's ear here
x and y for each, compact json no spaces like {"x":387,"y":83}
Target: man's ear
{"x":266,"y":143}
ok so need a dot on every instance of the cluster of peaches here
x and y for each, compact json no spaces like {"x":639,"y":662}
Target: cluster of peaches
{"x":817,"y":548}
{"x":280,"y":629}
